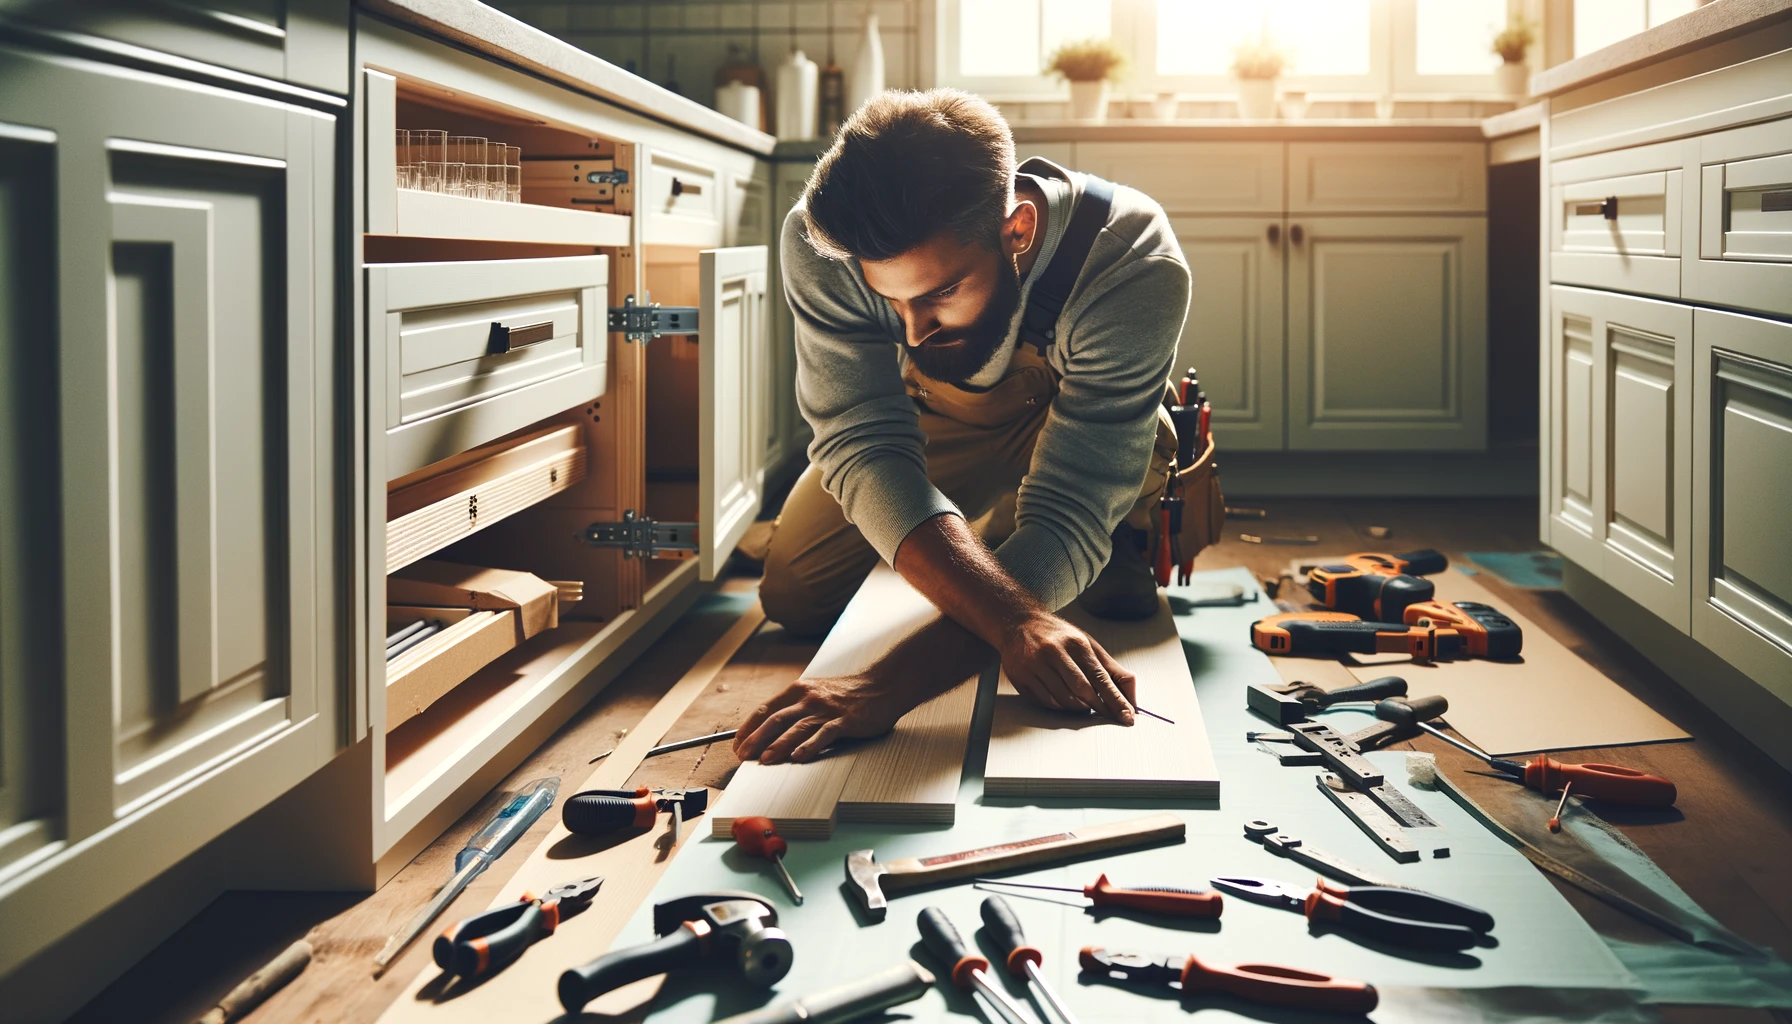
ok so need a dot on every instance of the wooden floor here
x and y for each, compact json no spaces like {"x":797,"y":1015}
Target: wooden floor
{"x":1730,"y":849}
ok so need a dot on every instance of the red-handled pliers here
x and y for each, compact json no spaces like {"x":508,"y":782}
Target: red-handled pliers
{"x":1408,"y":917}
{"x":488,"y":942}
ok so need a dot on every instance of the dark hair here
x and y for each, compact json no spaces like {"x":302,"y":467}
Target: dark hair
{"x":907,"y":166}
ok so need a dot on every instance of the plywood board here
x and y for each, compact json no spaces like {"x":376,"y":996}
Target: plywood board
{"x":421,"y":675}
{"x":1034,"y":751}
{"x":1549,"y":700}
{"x":909,"y":776}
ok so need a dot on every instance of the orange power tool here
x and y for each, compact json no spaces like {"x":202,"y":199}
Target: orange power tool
{"x":1485,"y":632}
{"x":1376,"y":585}
{"x":1333,"y":633}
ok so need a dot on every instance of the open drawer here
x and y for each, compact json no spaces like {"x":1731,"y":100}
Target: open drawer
{"x":475,"y":350}
{"x":1745,"y":219}
{"x":1615,"y":220}
{"x":469,"y":639}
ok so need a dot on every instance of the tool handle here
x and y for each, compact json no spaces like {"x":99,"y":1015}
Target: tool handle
{"x":474,"y":956}
{"x":596,"y":813}
{"x":1411,"y":903}
{"x":511,"y":821}
{"x":1005,"y":931}
{"x":1327,"y":908}
{"x":1157,"y":900}
{"x":580,"y":985}
{"x":851,"y":1001}
{"x":1280,"y":986}
{"x":1611,"y":782}
{"x":1374,"y":689}
{"x":757,"y":836}
{"x":1340,"y":636}
{"x":942,"y":940}
{"x":477,"y":926}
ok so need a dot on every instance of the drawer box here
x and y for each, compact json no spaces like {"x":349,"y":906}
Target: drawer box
{"x":1745,"y":220}
{"x":461,"y":496}
{"x":1616,"y":220}
{"x":682,"y":200}
{"x":423,"y":674}
{"x":1192,"y":177}
{"x":476,"y":350}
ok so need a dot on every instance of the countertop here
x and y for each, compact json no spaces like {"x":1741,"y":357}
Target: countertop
{"x":498,"y":35}
{"x":1712,"y":23}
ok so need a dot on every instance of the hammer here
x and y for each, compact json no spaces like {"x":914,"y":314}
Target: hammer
{"x":867,"y":878}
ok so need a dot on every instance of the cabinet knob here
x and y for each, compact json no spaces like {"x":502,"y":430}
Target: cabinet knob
{"x":1295,"y":234}
{"x":1275,"y":234}
{"x":1609,"y":208}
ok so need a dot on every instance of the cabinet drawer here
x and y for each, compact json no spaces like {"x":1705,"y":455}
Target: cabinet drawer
{"x":1615,"y":220}
{"x":419,"y":676}
{"x":1387,"y":177}
{"x":1745,"y":220}
{"x":1193,"y":177}
{"x":476,"y":350}
{"x":683,"y":200}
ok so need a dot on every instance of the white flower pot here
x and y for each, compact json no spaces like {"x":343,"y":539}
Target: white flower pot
{"x":1514,"y":78}
{"x":1257,"y":99}
{"x":1089,"y":101}
{"x":1163,"y":108}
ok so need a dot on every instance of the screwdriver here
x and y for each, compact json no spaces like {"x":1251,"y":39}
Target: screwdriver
{"x":757,"y":836}
{"x":1021,"y":959}
{"x":969,"y":973}
{"x":1157,"y":899}
{"x":1611,"y":782}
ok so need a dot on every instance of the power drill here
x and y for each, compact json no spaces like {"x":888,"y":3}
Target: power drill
{"x":1433,"y":631}
{"x":1485,"y":632}
{"x":1376,"y":585}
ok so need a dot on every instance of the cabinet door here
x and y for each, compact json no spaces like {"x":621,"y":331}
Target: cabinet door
{"x":1576,"y":490}
{"x":733,"y":397}
{"x":1233,"y":335}
{"x":1387,"y":333}
{"x":192,"y":398}
{"x":1742,"y":443}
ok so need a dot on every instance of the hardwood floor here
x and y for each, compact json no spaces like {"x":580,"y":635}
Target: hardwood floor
{"x":1729,"y":850}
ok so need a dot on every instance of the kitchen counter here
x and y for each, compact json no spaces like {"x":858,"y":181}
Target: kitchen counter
{"x":1712,"y":23}
{"x":498,"y":35}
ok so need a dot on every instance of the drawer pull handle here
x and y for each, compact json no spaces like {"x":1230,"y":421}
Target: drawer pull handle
{"x":509,"y":339}
{"x":1295,"y":234}
{"x":1607,"y":208}
{"x":1275,"y":234}
{"x":679,"y":188}
{"x":1776,"y":202}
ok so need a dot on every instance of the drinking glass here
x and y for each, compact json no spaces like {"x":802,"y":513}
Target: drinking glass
{"x":496,"y":188}
{"x":429,"y":152}
{"x":466,"y":166}
{"x":513,"y":174}
{"x":401,"y":153}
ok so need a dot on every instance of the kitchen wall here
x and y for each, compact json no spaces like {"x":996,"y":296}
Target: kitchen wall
{"x":681,"y":43}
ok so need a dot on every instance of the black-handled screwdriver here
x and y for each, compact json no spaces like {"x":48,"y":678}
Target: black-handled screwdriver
{"x":969,"y":973}
{"x":1021,"y":959}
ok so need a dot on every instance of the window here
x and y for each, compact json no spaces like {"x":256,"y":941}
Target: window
{"x":1600,"y":23}
{"x":1356,"y":47}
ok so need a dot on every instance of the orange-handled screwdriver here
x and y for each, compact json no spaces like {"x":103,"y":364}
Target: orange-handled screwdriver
{"x":757,"y":836}
{"x":1156,"y":899}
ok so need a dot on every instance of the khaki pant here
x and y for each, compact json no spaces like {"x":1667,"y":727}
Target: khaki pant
{"x":979,"y":445}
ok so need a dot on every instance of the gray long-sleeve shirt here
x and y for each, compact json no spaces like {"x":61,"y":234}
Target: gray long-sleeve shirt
{"x":1116,"y":340}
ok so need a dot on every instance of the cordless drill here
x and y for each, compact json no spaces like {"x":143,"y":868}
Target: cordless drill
{"x":1376,"y":585}
{"x":1433,"y":631}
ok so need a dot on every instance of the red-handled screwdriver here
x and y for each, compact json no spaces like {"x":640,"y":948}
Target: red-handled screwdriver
{"x":757,"y":836}
{"x":1156,"y":899}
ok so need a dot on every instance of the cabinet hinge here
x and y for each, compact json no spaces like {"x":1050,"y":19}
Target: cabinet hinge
{"x":642,"y":537}
{"x":644,"y":323}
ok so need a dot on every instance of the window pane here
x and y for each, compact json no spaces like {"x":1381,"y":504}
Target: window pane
{"x":1064,"y":21}
{"x":1322,"y":37}
{"x":1600,"y":23}
{"x":1668,"y":10}
{"x":1196,"y":37}
{"x":1455,"y":37}
{"x":998,"y":37}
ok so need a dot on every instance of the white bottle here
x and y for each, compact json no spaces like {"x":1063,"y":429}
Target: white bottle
{"x":739,"y":101}
{"x":798,"y":84}
{"x":867,"y":76}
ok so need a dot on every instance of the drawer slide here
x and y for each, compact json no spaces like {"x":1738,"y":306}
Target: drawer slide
{"x":642,"y":537}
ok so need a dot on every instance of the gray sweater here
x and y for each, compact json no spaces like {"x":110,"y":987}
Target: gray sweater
{"x":1116,"y":341}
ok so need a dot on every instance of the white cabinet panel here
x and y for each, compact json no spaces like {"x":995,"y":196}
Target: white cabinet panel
{"x":1387,"y":177}
{"x":681,"y":201}
{"x":1387,"y":333}
{"x":1574,"y":489}
{"x":1233,"y":335}
{"x":1193,"y":177}
{"x":733,"y":394}
{"x":1617,"y":220}
{"x":1742,"y":559}
{"x":1744,"y":256}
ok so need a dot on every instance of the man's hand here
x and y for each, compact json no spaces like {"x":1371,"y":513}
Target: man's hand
{"x":1057,"y":665}
{"x":801,"y":722}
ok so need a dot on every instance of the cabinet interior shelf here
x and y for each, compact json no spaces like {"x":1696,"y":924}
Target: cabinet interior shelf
{"x":435,"y":215}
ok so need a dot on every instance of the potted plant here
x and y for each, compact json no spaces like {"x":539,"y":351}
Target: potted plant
{"x":1090,"y":66}
{"x":1511,"y":44}
{"x":1257,"y":65}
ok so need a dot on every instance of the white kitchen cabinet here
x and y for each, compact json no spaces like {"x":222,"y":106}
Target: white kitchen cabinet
{"x":1742,"y":526}
{"x":1744,"y":256}
{"x":734,"y":390}
{"x":1233,"y":335}
{"x":1574,"y":491}
{"x":193,"y":490}
{"x":1192,"y":177}
{"x":1387,"y":333}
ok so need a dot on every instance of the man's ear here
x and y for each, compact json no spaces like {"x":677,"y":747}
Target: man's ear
{"x":1019,"y":229}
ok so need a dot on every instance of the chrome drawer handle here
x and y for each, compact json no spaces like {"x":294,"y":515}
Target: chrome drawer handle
{"x":509,"y":339}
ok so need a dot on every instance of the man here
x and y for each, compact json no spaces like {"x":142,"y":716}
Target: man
{"x":909,"y":264}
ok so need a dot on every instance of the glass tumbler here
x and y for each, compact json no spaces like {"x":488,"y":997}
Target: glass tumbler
{"x":429,"y":153}
{"x":401,"y":157}
{"x":496,"y":188}
{"x":466,"y":166}
{"x":513,"y":174}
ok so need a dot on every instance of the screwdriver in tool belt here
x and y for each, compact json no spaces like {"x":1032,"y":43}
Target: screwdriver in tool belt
{"x":1611,"y":782}
{"x":1157,"y":899}
{"x":1021,"y":959}
{"x":757,"y":836}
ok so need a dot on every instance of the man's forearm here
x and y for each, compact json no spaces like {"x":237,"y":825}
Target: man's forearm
{"x":953,"y":568}
{"x":933,"y":659}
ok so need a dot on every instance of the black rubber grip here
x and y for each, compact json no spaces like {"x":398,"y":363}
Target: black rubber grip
{"x":1003,"y":927}
{"x":580,"y":985}
{"x":596,"y":814}
{"x":1425,"y":561}
{"x":501,"y":946}
{"x":1421,"y":905}
{"x":940,"y":937}
{"x":1336,"y":636}
{"x":1405,"y":931}
{"x":1397,"y":593}
{"x":1374,"y":689}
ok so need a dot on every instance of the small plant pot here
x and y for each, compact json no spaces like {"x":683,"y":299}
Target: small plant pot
{"x":1089,"y":101}
{"x":1163,"y":108}
{"x":1294,"y":104}
{"x":1257,"y":99}
{"x":1514,"y":78}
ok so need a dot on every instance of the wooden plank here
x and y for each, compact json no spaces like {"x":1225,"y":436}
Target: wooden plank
{"x":1038,"y":752}
{"x":420,"y":676}
{"x":911,"y":776}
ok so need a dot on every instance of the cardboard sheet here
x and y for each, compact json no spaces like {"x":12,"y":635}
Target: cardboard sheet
{"x":1550,"y":700}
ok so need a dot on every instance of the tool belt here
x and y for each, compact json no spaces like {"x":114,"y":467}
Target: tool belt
{"x":1201,"y":512}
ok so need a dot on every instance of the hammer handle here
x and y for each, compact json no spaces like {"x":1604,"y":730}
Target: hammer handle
{"x":580,"y":985}
{"x":912,"y":871}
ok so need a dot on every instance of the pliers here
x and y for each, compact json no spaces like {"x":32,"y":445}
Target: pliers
{"x":487,"y":942}
{"x":1407,"y":917}
{"x":1270,"y":984}
{"x":598,"y":812}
